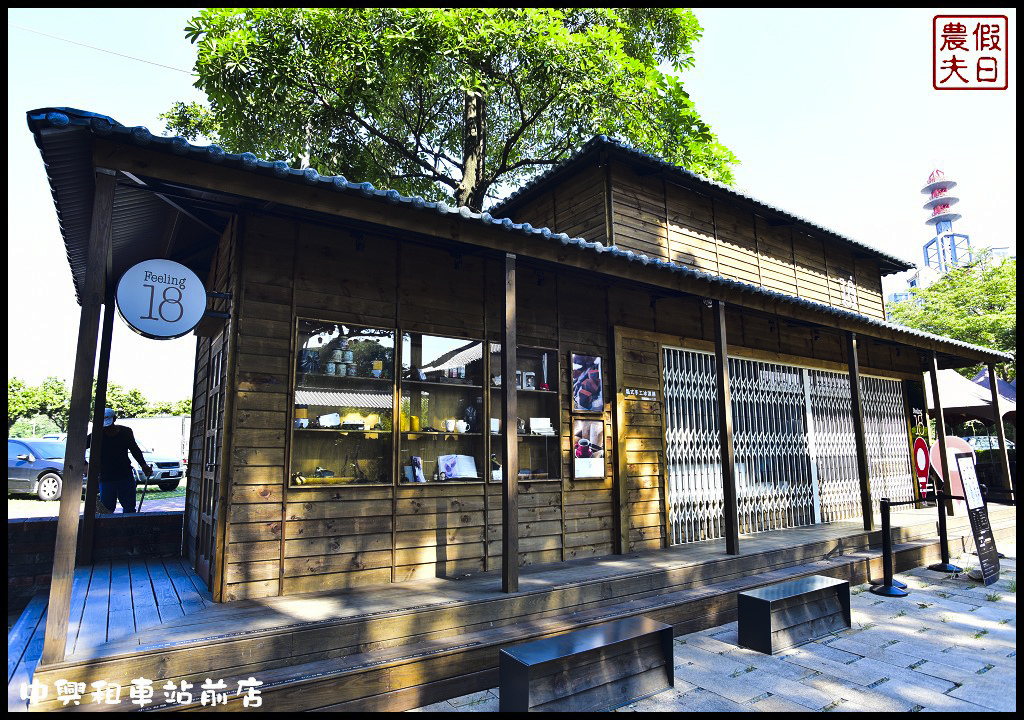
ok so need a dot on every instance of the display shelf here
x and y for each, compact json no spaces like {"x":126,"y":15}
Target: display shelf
{"x":440,"y":435}
{"x":343,"y":375}
{"x":442,"y":360}
{"x":339,"y":431}
{"x":323,"y":380}
{"x":539,"y":453}
{"x":453,"y":383}
{"x":414,"y":434}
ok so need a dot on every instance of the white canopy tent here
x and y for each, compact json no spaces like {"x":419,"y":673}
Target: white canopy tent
{"x":961,"y":396}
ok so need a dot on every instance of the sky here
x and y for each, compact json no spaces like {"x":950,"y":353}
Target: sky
{"x":832,"y":114}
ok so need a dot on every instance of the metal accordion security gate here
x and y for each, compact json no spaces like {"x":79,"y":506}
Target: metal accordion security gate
{"x":793,"y":441}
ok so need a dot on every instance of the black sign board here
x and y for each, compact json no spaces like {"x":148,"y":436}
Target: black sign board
{"x":984,"y":542}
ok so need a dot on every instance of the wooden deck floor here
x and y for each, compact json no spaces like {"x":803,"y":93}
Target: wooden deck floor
{"x":118,"y":606}
{"x":111,"y":601}
{"x":152,"y":602}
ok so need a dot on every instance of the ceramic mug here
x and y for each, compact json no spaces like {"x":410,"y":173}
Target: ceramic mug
{"x":461,"y":426}
{"x":449,"y":425}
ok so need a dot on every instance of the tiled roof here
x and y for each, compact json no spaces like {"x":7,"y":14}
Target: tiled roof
{"x":603,"y":141}
{"x":338,"y":398}
{"x":64,"y":172}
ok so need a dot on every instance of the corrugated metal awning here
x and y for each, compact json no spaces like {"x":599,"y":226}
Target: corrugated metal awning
{"x":337,"y":398}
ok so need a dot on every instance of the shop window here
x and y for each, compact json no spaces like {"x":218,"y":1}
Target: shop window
{"x":344,"y":394}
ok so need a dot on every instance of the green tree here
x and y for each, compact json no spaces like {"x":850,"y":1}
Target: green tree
{"x":446,"y":103}
{"x":32,"y":426}
{"x":22,"y":401}
{"x":976,"y":304}
{"x":126,"y":403}
{"x":43,"y":409}
{"x":55,"y":401}
{"x":156,"y":408}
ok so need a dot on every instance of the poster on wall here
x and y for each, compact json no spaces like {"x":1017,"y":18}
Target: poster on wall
{"x":587,"y":383}
{"x":588,"y":449}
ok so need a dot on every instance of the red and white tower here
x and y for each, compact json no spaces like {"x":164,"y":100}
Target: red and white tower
{"x":947,"y":249}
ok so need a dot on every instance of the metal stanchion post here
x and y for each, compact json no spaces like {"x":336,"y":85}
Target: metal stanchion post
{"x":945,"y":566}
{"x":889,"y":588}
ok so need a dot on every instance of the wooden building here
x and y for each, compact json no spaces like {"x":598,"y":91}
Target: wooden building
{"x":382,"y":382}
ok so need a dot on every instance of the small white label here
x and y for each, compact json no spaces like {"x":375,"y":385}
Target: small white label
{"x":641,"y":394}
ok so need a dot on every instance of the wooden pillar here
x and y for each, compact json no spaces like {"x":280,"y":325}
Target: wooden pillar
{"x":730,"y":496}
{"x":860,"y":439}
{"x":59,"y":608}
{"x":1004,"y":457}
{"x":940,"y":430}
{"x":510,"y":449}
{"x":87,"y":540}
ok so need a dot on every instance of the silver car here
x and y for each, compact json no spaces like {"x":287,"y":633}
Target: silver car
{"x":987,"y":442}
{"x":167,"y":471}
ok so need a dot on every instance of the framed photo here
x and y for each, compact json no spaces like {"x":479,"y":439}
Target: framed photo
{"x":587,"y":383}
{"x":588,"y":449}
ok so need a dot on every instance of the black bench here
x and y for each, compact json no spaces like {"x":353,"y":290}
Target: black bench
{"x":779,"y":616}
{"x":596,"y":668}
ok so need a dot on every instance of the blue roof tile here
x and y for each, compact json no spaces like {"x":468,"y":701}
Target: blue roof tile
{"x":603,"y":141}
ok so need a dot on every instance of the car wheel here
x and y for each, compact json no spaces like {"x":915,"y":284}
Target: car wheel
{"x":49,"y":486}
{"x":168,"y":486}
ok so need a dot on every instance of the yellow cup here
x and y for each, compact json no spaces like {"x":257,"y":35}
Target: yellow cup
{"x":414,"y":423}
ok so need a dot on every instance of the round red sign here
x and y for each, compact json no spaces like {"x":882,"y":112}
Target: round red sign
{"x":921,"y":464}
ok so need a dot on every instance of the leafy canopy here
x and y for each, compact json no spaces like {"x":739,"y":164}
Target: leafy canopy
{"x":446,"y":103}
{"x":51,"y":401}
{"x":976,"y":303}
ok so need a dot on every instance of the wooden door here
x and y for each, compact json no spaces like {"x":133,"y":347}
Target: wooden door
{"x":209,"y":487}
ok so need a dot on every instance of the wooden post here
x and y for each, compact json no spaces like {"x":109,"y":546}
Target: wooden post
{"x":860,"y":439}
{"x":621,"y":472}
{"x":1004,"y":457}
{"x":730,"y":496}
{"x":940,"y":430}
{"x":87,"y":540}
{"x":510,"y":450}
{"x":59,"y":608}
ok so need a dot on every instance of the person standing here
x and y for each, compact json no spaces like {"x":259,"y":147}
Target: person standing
{"x":117,"y":481}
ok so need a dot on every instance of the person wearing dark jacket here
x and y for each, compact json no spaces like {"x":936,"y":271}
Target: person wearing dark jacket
{"x":117,"y":481}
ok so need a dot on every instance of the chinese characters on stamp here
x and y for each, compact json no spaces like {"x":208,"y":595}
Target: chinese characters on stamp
{"x":970,"y":52}
{"x":142,"y":692}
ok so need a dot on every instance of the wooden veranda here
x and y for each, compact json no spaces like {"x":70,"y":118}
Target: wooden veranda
{"x":401,"y":646}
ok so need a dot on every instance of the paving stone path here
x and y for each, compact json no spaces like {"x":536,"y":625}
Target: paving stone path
{"x":951,"y":645}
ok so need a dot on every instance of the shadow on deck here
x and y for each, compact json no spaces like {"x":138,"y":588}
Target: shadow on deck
{"x":400,"y":646}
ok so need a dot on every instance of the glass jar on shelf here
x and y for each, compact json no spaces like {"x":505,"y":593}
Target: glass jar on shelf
{"x":538,"y":425}
{"x":343,"y":419}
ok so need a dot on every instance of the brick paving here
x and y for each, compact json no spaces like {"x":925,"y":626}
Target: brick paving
{"x":951,"y":645}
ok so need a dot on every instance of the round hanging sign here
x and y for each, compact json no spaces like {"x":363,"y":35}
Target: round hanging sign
{"x":161,"y":299}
